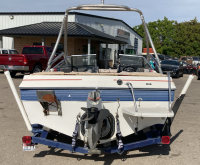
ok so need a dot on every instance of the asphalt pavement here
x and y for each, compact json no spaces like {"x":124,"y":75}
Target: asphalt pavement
{"x":184,"y":148}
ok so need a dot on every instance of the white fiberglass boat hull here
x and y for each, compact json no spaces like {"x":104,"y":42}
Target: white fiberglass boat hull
{"x":72,"y":92}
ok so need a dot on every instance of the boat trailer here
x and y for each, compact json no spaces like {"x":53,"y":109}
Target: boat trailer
{"x":156,"y":134}
{"x":153,"y":137}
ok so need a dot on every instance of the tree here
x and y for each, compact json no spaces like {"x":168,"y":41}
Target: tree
{"x":187,"y":39}
{"x":162,"y":33}
{"x":173,"y":38}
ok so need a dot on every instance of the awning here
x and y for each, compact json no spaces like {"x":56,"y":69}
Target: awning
{"x":52,"y":29}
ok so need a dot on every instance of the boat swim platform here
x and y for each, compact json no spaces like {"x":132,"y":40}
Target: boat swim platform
{"x":148,"y":112}
{"x":106,"y":73}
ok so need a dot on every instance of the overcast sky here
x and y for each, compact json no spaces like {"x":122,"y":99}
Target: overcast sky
{"x":180,"y":10}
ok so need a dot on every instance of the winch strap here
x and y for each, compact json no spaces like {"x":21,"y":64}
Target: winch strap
{"x":75,"y":135}
{"x":119,"y":136}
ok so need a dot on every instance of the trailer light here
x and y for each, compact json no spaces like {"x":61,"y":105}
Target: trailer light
{"x":165,"y":140}
{"x":26,"y":139}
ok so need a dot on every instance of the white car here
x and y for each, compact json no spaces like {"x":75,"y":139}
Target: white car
{"x":8,"y":51}
{"x":196,"y":60}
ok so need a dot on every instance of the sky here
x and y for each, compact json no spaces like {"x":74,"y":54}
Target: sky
{"x":179,"y":10}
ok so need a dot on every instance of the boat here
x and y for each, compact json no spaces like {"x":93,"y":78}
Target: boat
{"x":100,"y":110}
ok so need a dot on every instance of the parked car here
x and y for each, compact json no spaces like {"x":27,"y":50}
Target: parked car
{"x":32,"y":59}
{"x":174,"y":58}
{"x":8,"y":51}
{"x":185,"y":64}
{"x":168,"y":57}
{"x":161,"y":56}
{"x":174,"y":67}
{"x":196,"y":60}
{"x":198,"y":72}
{"x":191,"y":69}
{"x":187,"y":59}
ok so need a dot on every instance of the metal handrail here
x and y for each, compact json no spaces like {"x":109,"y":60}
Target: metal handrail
{"x":101,"y":7}
{"x":131,"y":86}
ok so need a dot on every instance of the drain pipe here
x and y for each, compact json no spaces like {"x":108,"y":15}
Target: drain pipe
{"x":19,"y":103}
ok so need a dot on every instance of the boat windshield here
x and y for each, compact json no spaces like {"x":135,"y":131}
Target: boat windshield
{"x":135,"y":61}
{"x":78,"y":63}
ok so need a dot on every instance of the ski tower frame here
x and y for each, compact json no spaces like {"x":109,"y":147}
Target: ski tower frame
{"x":98,"y":7}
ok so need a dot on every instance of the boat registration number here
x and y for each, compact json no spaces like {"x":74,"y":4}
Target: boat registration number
{"x":29,"y":147}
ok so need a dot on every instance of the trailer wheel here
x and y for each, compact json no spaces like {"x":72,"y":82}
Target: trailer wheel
{"x":12,"y":74}
{"x":37,"y":68}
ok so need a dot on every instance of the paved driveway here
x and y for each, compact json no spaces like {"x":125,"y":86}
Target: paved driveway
{"x":184,"y":148}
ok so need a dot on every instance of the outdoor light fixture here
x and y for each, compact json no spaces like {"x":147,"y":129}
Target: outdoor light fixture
{"x":11,"y":16}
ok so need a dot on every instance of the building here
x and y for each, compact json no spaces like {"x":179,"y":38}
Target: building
{"x":86,"y":33}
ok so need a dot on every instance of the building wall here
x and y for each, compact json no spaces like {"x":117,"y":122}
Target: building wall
{"x":74,"y":45}
{"x":21,"y":20}
{"x":110,"y":26}
{"x":105,"y":25}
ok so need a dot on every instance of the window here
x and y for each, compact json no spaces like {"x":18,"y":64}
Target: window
{"x":85,"y":49}
{"x":32,"y":50}
{"x":195,"y":58}
{"x":13,"y":52}
{"x":59,"y":49}
{"x":183,"y":58}
{"x":136,"y":44}
{"x":161,"y":57}
{"x":104,"y":54}
{"x":169,"y":62}
{"x":4,"y":52}
{"x":37,"y":43}
{"x":130,"y":51}
{"x":49,"y":51}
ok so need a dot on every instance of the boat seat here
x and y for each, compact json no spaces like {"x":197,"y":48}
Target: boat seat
{"x":148,"y":112}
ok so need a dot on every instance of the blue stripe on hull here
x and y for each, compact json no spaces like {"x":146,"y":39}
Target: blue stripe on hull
{"x":106,"y":95}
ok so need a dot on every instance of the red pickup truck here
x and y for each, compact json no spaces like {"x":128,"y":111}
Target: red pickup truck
{"x":32,"y":59}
